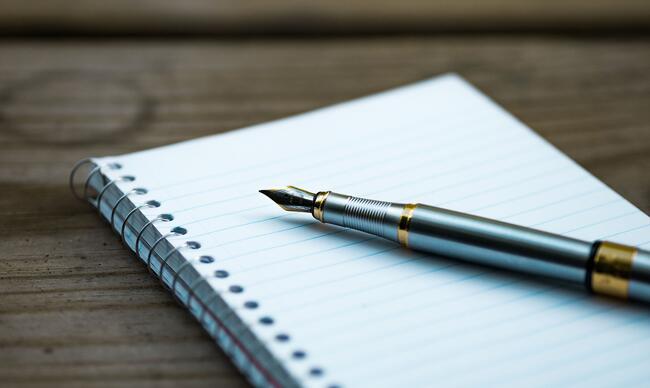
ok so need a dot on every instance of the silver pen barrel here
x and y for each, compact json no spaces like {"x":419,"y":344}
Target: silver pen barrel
{"x":602,"y":267}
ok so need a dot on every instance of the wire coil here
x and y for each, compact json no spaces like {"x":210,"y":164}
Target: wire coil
{"x":98,"y":201}
{"x":215,"y":325}
{"x":138,"y":191}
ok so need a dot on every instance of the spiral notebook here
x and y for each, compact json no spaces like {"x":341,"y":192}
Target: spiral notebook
{"x":297,"y":303}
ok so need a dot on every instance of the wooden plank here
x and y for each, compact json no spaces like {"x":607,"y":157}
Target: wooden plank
{"x":77,"y":309}
{"x":320,"y":16}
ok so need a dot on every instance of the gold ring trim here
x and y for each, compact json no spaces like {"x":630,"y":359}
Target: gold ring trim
{"x":405,"y":223}
{"x":319,"y":204}
{"x":612,"y":269}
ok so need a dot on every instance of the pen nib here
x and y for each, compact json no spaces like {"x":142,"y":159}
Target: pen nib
{"x":291,"y":198}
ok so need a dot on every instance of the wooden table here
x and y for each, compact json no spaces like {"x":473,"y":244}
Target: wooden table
{"x":77,"y":309}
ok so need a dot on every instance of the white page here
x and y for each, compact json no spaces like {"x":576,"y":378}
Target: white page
{"x":369,"y":313}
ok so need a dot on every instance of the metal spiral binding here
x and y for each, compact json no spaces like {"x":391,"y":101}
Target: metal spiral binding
{"x":97,"y":168}
{"x":148,"y":204}
{"x":163,"y":261}
{"x":138,"y":190}
{"x":85,"y":196}
{"x":190,"y":289}
{"x":174,"y":232}
{"x":252,"y":367}
{"x":98,"y":201}
{"x":76,"y":167}
{"x":160,"y":217}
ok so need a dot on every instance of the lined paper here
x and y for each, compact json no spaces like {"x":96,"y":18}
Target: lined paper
{"x":366,"y":312}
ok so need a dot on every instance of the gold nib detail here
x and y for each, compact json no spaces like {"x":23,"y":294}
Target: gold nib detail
{"x":291,"y":198}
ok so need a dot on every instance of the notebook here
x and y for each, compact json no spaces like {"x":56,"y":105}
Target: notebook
{"x":298,"y":303}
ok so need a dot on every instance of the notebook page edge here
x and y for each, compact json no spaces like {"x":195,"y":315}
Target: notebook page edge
{"x":352,"y":103}
{"x":486,"y":98}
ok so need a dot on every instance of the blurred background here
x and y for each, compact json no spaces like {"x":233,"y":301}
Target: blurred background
{"x":230,"y":17}
{"x":85,"y":78}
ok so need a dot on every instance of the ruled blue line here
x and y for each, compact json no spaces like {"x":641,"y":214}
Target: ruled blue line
{"x":298,"y":155}
{"x":302,"y":256}
{"x":405,"y":347}
{"x":336,"y":173}
{"x":577,"y":212}
{"x":602,"y":221}
{"x":576,"y":356}
{"x":459,"y":315}
{"x":644,"y":226}
{"x":563,"y":184}
{"x":565,"y":199}
{"x":355,"y":182}
{"x":313,"y":269}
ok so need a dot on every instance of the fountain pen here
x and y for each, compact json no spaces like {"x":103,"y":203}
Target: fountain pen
{"x":601,"y":267}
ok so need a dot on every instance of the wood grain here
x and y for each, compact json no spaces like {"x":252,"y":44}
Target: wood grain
{"x":77,"y":309}
{"x":318,"y":16}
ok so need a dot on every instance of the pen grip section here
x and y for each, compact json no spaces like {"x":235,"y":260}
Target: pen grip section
{"x":375,"y":217}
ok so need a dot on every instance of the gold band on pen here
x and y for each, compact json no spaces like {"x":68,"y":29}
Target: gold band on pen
{"x":319,"y":203}
{"x":405,"y":223}
{"x":612,"y":269}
